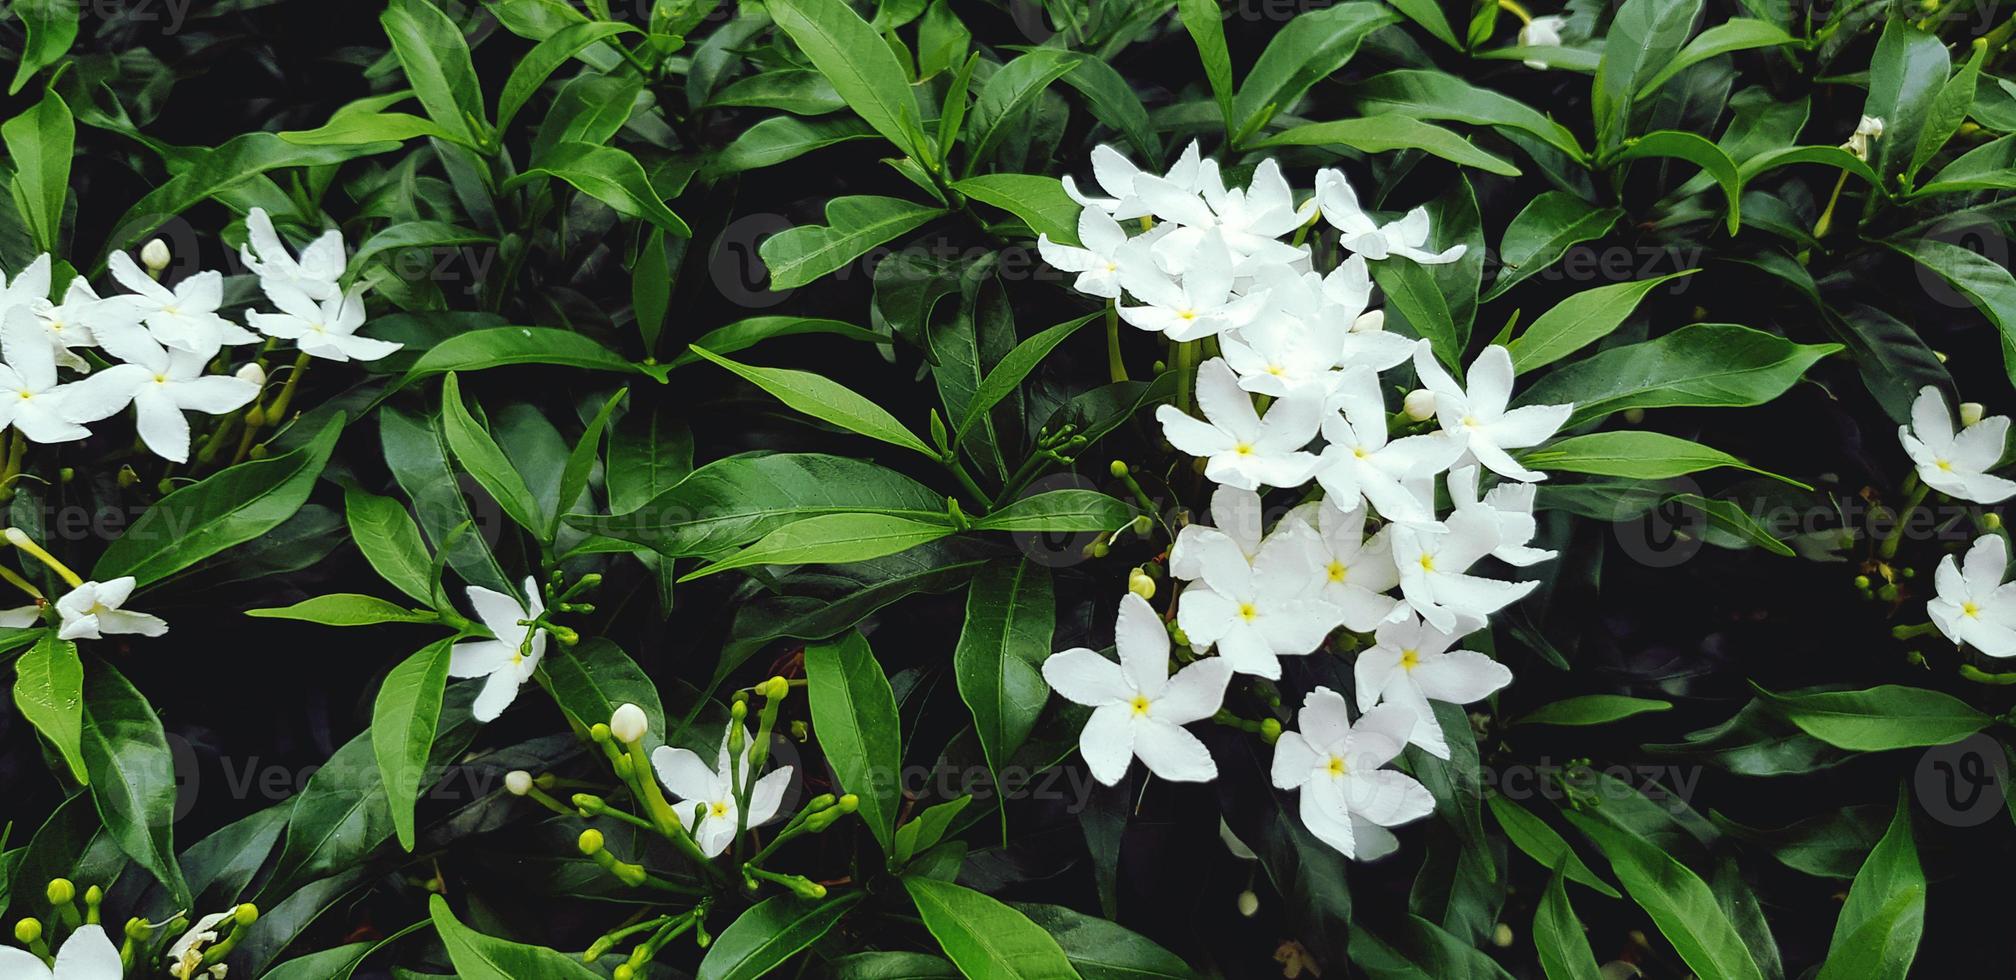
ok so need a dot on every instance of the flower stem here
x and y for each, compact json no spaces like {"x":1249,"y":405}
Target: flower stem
{"x":22,"y":541}
{"x":1918,"y":490}
{"x":1115,"y":367}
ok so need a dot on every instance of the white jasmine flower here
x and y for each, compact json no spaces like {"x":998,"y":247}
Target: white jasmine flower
{"x":512,"y":653}
{"x":1956,"y":464}
{"x":1251,"y":221}
{"x":1511,"y":505}
{"x":314,"y":274}
{"x":1116,"y":176}
{"x":692,"y":782}
{"x":1243,"y":450}
{"x":1478,"y":417}
{"x":69,"y":322}
{"x":1236,"y":518}
{"x":28,"y":287}
{"x":1973,"y":607}
{"x":1098,"y":262}
{"x":1346,"y":291}
{"x":186,"y":954}
{"x":87,"y":955}
{"x":185,"y":317}
{"x":1353,"y":571}
{"x":326,"y":329}
{"x":1189,"y":307}
{"x":1870,"y":128}
{"x":1138,"y":708}
{"x":1541,"y":32}
{"x":1411,"y":663}
{"x":161,"y":383}
{"x":1361,"y":464}
{"x":30,"y":399}
{"x":628,"y":723}
{"x":1348,"y":801}
{"x":1255,"y":614}
{"x":1406,"y":238}
{"x":154,"y":255}
{"x":1278,"y":354}
{"x":1433,"y":565}
{"x":94,"y":608}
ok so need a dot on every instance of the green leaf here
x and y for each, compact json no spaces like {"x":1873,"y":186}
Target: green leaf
{"x":860,"y":65}
{"x":1428,"y":14}
{"x":1638,"y":455}
{"x":1988,"y":167}
{"x":1891,"y":716}
{"x":484,"y":460}
{"x":734,"y":501}
{"x":1437,"y":96}
{"x":1206,"y":23}
{"x":403,"y":720}
{"x":1557,"y":936}
{"x":1734,"y":34}
{"x":365,"y":121}
{"x":744,"y":334}
{"x":1679,"y":903}
{"x":132,"y":774}
{"x":1545,"y":230}
{"x":51,"y":27}
{"x":1381,"y":134}
{"x":923,"y":832}
{"x":1729,"y":518}
{"x":825,"y":399}
{"x":480,"y":957}
{"x":1306,"y":50}
{"x":652,"y":279}
{"x":1643,"y":37}
{"x":1039,"y":201}
{"x":1580,"y":320}
{"x":609,"y":175}
{"x":1876,"y":936}
{"x":346,"y":609}
{"x":1007,"y":98}
{"x":1703,"y":364}
{"x":854,"y":714}
{"x":831,"y":539}
{"x":492,"y":347}
{"x":40,"y":144}
{"x":1527,"y":831}
{"x":1786,"y":156}
{"x":49,"y":692}
{"x":1982,"y":281}
{"x":765,"y":937}
{"x":1412,"y":291}
{"x":597,"y":677}
{"x":435,"y":57}
{"x":779,"y":139}
{"x":799,"y":255}
{"x":800,"y":91}
{"x":581,"y":462}
{"x":417,"y":454}
{"x":230,"y":507}
{"x":1008,"y":374}
{"x":537,"y":65}
{"x":420,"y":236}
{"x":1103,"y":950}
{"x":1010,"y":615}
{"x":1111,"y":100}
{"x":1592,"y":709}
{"x":1697,"y":150}
{"x":983,"y":937}
{"x":1906,"y":75}
{"x":1059,"y":510}
{"x":219,"y":172}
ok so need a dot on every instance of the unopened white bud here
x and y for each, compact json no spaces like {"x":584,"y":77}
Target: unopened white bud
{"x":1249,"y":903}
{"x":1501,"y":937}
{"x":1370,"y":321}
{"x":1970,"y":412}
{"x":518,"y":782}
{"x":254,"y":373}
{"x":1419,"y":405}
{"x":154,"y":254}
{"x":628,"y":724}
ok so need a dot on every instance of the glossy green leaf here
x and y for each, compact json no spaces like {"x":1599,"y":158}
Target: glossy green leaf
{"x":1891,"y":716}
{"x":1592,"y":709}
{"x":1039,"y":201}
{"x":40,"y":144}
{"x":1532,"y":835}
{"x":1734,"y":34}
{"x":1635,"y":454}
{"x":1697,"y":150}
{"x":766,"y":937}
{"x":609,"y":175}
{"x":744,"y":334}
{"x":1545,"y":230}
{"x":132,"y":774}
{"x":1059,"y":510}
{"x":345,"y":609}
{"x":1382,"y":134}
{"x":480,"y":456}
{"x":1008,"y":97}
{"x":547,"y":56}
{"x":799,"y":255}
{"x":1643,"y":38}
{"x":1906,"y":75}
{"x":826,"y":400}
{"x":435,"y":57}
{"x":1437,"y":96}
{"x":1008,"y":374}
{"x":51,"y":27}
{"x":1010,"y":615}
{"x":854,"y":714}
{"x":859,"y":64}
{"x":1580,"y":320}
{"x":1876,"y":935}
{"x":482,"y":957}
{"x":1678,"y":901}
{"x":1700,"y":365}
{"x":403,"y":721}
{"x":49,"y":692}
{"x":1557,"y":936}
{"x":1306,"y":50}
{"x":1102,"y":950}
{"x":984,"y":937}
{"x":1206,"y":23}
{"x":493,"y":347}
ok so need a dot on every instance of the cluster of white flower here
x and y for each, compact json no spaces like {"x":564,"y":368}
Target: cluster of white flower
{"x":1972,"y":606}
{"x":1211,"y":263}
{"x":164,"y":339}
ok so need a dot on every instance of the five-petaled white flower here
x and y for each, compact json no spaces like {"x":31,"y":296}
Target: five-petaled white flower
{"x":1138,"y":708}
{"x":87,"y":955}
{"x":1250,"y":222}
{"x":314,"y":274}
{"x":1956,"y":464}
{"x":1411,"y":663}
{"x":1406,"y":238}
{"x":1116,"y":175}
{"x":161,"y":383}
{"x":1478,"y":416}
{"x":94,"y":608}
{"x":1433,"y":566}
{"x":1188,"y":307}
{"x":1242,"y":449}
{"x":1511,"y":505}
{"x":30,"y":399}
{"x":1096,"y":259}
{"x":1236,"y":519}
{"x":325,"y":329}
{"x":711,"y":792}
{"x":69,"y":323}
{"x":1353,"y":572}
{"x":1257,"y":613}
{"x":1973,"y":606}
{"x":1541,"y":32}
{"x":185,"y":317}
{"x":1347,"y":800}
{"x":511,"y":654}
{"x":1361,"y":464}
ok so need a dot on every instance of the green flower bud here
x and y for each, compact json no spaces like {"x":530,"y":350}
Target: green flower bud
{"x":1992,"y":521}
{"x":820,"y":802}
{"x":1118,"y":469}
{"x":1270,"y":730}
{"x":591,"y":842}
{"x":28,"y":930}
{"x":1861,"y":581}
{"x":61,"y":891}
{"x":848,"y":803}
{"x":624,"y":971}
{"x":600,"y":732}
{"x":246,"y":914}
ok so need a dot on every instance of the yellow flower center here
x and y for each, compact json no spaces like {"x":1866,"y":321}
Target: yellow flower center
{"x":1247,"y":611}
{"x":1140,"y":704}
{"x":1969,"y":610}
{"x":1338,"y":573}
{"x":1188,"y":314}
{"x":1427,"y":563}
{"x":718,"y":809}
{"x":1336,"y":766}
{"x":1409,"y":659}
{"x":1945,"y":465}
{"x":1243,"y":449}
